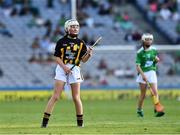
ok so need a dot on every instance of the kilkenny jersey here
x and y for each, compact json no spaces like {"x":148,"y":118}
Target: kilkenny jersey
{"x":146,"y":58}
{"x":70,"y":50}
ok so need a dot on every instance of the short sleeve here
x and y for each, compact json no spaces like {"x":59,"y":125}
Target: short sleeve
{"x":84,"y":50}
{"x":58,"y":47}
{"x":138,"y":59}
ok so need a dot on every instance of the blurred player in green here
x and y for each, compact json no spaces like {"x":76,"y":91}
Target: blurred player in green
{"x":146,"y":60}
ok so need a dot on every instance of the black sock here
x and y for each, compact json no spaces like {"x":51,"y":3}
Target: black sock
{"x":79,"y":120}
{"x":45,"y":119}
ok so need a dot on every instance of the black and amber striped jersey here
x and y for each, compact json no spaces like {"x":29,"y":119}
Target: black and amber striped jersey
{"x":70,"y":50}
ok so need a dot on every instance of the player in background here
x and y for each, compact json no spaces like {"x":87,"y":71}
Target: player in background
{"x":146,"y":60}
{"x":69,"y":51}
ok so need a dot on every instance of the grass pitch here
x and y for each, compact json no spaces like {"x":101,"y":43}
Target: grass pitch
{"x":101,"y":117}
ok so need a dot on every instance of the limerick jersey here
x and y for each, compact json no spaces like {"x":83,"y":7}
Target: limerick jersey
{"x":146,"y":58}
{"x":70,"y":50}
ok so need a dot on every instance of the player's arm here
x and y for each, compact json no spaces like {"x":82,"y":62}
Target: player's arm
{"x":140,"y":71}
{"x":66,"y":69}
{"x":87,"y":55}
{"x":138,"y":67}
{"x":156,"y":59}
{"x":59,"y":61}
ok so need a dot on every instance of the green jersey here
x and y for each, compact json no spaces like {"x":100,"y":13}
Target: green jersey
{"x":146,"y":58}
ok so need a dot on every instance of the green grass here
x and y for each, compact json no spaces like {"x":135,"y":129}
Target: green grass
{"x":101,"y":117}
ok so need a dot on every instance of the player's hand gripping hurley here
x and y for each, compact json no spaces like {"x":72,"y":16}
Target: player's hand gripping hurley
{"x":95,"y":43}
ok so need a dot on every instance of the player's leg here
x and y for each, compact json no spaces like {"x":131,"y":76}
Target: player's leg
{"x":154,"y":92}
{"x":58,"y":88}
{"x":152,"y":82}
{"x":78,"y":103}
{"x":159,"y":109}
{"x":142,"y":87}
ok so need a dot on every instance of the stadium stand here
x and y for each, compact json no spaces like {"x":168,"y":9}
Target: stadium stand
{"x":26,"y":57}
{"x":165,"y":15}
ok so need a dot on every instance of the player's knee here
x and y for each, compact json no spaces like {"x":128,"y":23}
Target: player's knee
{"x":76,"y":98}
{"x":55,"y":97}
{"x":143,"y":96}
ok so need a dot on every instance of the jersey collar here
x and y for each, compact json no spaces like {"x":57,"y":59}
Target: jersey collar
{"x":147,"y":49}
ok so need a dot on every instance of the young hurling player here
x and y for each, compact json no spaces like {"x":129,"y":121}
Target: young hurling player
{"x":69,"y":51}
{"x":146,"y":60}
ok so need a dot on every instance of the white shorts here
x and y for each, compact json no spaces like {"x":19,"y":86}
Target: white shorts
{"x":150,"y":75}
{"x":75,"y":77}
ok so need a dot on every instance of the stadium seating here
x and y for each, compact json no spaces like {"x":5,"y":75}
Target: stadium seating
{"x":166,"y":26}
{"x":16,"y":52}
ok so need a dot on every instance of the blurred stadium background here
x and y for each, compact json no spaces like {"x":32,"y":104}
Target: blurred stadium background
{"x":29,"y":30}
